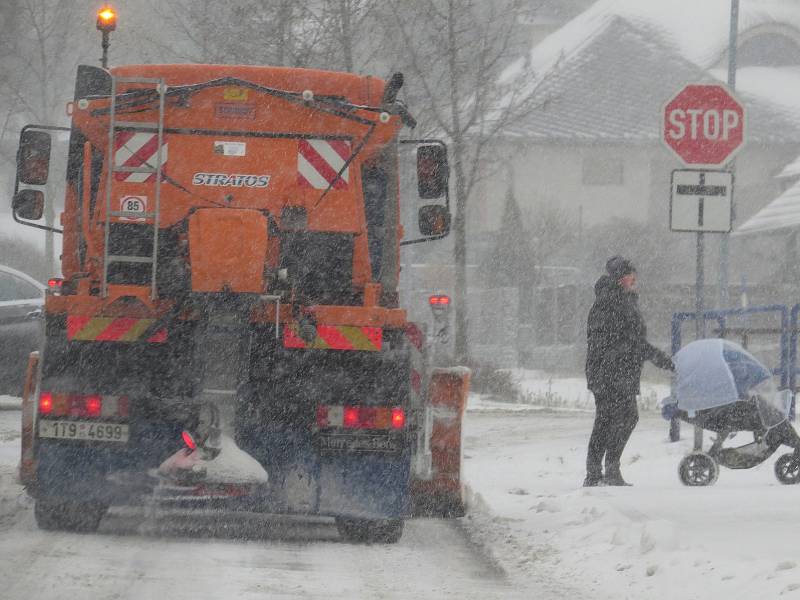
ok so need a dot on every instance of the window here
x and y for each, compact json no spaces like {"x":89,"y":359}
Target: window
{"x":606,"y":169}
{"x":14,"y":288}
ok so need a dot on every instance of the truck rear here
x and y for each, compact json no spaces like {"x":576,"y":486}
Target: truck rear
{"x":227,"y":331}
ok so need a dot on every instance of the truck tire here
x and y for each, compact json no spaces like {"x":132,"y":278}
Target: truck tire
{"x":79,"y":517}
{"x":363,"y":531}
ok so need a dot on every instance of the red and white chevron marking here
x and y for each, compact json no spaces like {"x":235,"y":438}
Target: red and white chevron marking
{"x":138,"y":149}
{"x":318,"y":162}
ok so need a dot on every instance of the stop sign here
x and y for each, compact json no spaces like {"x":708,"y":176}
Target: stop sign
{"x":704,"y":125}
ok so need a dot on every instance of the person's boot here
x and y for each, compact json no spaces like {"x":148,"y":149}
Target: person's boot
{"x":614,"y":478}
{"x":593,"y":480}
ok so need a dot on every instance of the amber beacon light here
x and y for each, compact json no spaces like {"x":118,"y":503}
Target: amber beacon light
{"x":106,"y":19}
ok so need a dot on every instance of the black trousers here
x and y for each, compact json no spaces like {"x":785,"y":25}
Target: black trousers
{"x":614,"y":421}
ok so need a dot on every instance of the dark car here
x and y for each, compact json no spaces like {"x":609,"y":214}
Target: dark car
{"x":21,"y":301}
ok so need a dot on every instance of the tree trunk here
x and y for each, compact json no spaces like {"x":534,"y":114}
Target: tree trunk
{"x":459,"y":224}
{"x":460,"y":256}
{"x":347,"y":35}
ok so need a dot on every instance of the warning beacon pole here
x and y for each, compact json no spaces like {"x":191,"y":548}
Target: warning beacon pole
{"x":106,"y":23}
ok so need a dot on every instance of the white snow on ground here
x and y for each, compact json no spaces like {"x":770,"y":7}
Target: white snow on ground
{"x":658,"y":539}
{"x":10,"y":402}
{"x":543,"y":391}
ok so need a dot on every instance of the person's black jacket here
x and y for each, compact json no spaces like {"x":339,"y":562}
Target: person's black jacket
{"x":617,"y":341}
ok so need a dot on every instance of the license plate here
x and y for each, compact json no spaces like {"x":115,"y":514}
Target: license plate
{"x":360,"y":443}
{"x":82,"y":430}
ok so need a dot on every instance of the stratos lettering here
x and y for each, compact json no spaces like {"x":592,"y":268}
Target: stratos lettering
{"x":714,"y":124}
{"x":235,"y":180}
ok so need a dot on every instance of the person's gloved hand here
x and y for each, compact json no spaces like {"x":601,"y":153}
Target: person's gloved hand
{"x":669,"y":410}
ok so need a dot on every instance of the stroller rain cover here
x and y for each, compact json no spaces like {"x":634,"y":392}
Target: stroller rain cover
{"x":711,"y":373}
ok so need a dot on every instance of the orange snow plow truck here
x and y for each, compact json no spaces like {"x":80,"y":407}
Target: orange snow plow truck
{"x":228,"y":331}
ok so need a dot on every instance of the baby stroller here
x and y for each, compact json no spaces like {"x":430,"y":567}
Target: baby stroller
{"x":721,"y":387}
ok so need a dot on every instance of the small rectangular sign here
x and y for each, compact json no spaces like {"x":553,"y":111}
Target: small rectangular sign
{"x":701,"y":201}
{"x":235,"y":110}
{"x":235,"y":93}
{"x":230,"y":148}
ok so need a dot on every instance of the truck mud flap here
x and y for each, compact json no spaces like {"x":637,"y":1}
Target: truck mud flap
{"x":364,"y":485}
{"x":442,"y":492}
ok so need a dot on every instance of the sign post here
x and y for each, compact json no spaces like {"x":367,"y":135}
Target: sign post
{"x":704,"y":126}
{"x":701,"y":201}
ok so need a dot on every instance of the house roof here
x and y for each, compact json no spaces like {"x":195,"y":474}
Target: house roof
{"x":696,"y":30}
{"x":605,"y":76}
{"x":781,"y":213}
{"x":613,"y":88}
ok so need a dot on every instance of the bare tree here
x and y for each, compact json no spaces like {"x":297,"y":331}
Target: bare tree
{"x":348,"y":23}
{"x":48,"y":41}
{"x":454,"y":52}
{"x":295,"y":33}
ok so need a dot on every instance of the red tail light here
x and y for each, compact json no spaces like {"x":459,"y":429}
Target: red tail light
{"x":189,"y":440}
{"x":45,"y":403}
{"x":439,"y":300}
{"x":398,"y":418}
{"x":93,"y":406}
{"x":350,"y":419}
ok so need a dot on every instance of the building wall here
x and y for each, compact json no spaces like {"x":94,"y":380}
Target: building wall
{"x":566,"y":176}
{"x":570,"y":177}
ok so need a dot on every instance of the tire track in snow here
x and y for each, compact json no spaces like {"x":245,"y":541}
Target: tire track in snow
{"x":181,"y":557}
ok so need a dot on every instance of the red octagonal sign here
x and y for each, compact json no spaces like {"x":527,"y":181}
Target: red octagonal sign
{"x":704,"y":125}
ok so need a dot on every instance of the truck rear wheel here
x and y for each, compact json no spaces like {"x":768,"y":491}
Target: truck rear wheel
{"x":365,"y":531}
{"x":80,"y":517}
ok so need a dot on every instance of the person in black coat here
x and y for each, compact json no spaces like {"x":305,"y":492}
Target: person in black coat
{"x":617,"y":349}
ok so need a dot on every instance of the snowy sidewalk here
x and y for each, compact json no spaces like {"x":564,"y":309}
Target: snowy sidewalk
{"x":657,"y":539}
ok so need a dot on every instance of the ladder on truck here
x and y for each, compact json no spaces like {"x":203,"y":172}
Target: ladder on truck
{"x":160,"y":88}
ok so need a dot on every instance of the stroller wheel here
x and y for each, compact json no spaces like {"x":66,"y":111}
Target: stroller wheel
{"x":787,"y":469}
{"x":698,"y":469}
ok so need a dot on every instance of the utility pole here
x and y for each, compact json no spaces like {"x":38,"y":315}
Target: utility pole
{"x":724,"y":245}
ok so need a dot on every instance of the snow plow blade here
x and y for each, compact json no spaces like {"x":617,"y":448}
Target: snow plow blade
{"x":442,"y":494}
{"x":27,"y":463}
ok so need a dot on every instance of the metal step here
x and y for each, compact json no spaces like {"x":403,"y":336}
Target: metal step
{"x":136,"y":125}
{"x":123,"y":169}
{"x":134,"y":215}
{"x":129,"y":259}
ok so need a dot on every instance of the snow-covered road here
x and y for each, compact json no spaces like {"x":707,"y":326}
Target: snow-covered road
{"x":238,"y":558}
{"x":141,"y":556}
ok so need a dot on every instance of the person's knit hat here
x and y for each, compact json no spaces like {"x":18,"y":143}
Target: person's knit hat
{"x":617,"y":267}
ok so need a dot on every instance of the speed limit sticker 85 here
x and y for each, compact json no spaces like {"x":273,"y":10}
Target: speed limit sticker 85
{"x":133,"y":205}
